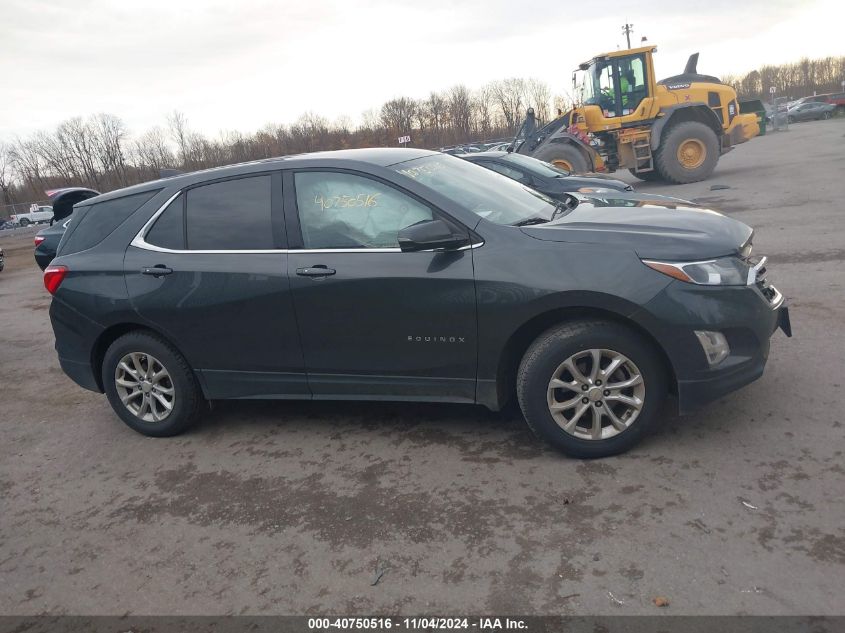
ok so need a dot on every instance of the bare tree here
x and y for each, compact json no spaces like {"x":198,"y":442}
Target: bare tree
{"x":484,"y":105}
{"x":509,"y":95}
{"x":539,"y":97}
{"x":109,"y":138}
{"x":150,"y":153}
{"x":398,"y":115}
{"x":178,"y":124}
{"x":459,"y":104}
{"x":6,"y":173}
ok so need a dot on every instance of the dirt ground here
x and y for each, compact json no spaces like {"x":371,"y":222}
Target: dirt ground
{"x":293,"y":507}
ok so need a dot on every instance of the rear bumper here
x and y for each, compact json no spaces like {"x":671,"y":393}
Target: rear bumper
{"x":81,"y":373}
{"x":75,"y":336}
{"x":43,"y":259}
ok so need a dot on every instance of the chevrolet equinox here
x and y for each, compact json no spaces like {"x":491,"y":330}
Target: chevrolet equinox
{"x":401,"y":274}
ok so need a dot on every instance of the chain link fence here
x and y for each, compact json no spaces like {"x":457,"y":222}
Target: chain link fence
{"x":779,"y":118}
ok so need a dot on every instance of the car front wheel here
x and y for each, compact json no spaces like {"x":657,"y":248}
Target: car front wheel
{"x":150,"y":385}
{"x":591,"y":388}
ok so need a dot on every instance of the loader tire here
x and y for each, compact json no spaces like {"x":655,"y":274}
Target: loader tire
{"x":688,"y":152}
{"x":565,"y":156}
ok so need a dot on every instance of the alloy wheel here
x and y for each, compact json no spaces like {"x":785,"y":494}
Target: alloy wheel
{"x":144,"y":386}
{"x":596,"y":394}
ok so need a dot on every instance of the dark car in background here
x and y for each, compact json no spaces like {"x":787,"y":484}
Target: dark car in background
{"x":542,"y":176}
{"x":400,"y":274}
{"x":47,"y":240}
{"x":810,"y":111}
{"x":2,"y":260}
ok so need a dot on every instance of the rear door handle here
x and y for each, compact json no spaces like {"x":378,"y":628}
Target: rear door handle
{"x":156,"y":271}
{"x":315,"y":271}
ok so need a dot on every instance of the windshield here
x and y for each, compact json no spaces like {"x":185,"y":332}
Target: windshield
{"x":596,"y":83}
{"x":535,"y":166}
{"x":490,"y":195}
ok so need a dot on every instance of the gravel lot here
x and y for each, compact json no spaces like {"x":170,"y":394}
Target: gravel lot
{"x":292,"y":507}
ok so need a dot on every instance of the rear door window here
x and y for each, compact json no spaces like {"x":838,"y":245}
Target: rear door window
{"x":169,"y":229}
{"x":230,"y":215}
{"x":101,"y":219}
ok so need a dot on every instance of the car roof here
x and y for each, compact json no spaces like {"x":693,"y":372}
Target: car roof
{"x":378,"y":156}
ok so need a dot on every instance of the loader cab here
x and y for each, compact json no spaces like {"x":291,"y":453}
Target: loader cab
{"x":620,"y":85}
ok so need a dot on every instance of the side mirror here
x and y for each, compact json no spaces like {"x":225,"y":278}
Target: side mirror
{"x":430,"y":235}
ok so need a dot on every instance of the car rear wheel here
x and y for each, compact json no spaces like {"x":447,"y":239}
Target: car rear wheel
{"x":826,"y":115}
{"x":24,"y":222}
{"x":591,"y":388}
{"x":790,"y":119}
{"x":150,"y":385}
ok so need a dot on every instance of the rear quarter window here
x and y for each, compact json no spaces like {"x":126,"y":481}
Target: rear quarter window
{"x":97,"y":221}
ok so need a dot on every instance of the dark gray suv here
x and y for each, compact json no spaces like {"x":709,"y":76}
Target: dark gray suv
{"x":399,"y":274}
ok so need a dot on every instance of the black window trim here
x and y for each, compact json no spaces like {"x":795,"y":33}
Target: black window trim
{"x":296,"y":243}
{"x":276,"y":218}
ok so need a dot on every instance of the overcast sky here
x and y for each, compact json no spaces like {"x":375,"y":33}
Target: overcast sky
{"x":239,"y":64}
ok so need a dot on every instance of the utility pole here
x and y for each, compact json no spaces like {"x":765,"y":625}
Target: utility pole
{"x":627,"y":30}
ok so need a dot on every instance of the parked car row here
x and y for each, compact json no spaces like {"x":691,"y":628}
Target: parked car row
{"x":542,"y":176}
{"x":810,"y":111}
{"x":400,"y":274}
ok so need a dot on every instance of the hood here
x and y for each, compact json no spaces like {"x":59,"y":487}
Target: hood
{"x":654,"y":228}
{"x":64,"y":199}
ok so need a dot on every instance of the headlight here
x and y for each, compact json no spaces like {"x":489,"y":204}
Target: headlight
{"x":725,"y":271}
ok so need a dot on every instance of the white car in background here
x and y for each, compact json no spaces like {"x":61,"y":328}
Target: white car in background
{"x":42,"y":215}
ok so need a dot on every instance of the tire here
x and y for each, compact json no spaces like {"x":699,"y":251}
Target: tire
{"x":826,"y":116}
{"x":563,"y":154}
{"x":24,"y":222}
{"x":186,"y":399}
{"x":790,"y":120}
{"x":666,"y":158}
{"x":647,"y":176}
{"x":542,"y":362}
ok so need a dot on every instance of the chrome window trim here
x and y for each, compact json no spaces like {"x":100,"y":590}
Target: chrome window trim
{"x":139,"y":242}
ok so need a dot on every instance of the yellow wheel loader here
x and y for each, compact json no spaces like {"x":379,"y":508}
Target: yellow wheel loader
{"x":674,"y":129}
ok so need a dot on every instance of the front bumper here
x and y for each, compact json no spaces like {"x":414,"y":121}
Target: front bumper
{"x":743,"y":314}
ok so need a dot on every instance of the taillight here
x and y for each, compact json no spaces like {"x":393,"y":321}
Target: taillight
{"x":39,"y":239}
{"x":53,"y":277}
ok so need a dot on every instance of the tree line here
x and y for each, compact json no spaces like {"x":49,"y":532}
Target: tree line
{"x":99,"y":152}
{"x":794,"y":80}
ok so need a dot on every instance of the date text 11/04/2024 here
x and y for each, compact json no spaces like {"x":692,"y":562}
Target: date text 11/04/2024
{"x":422,"y":623}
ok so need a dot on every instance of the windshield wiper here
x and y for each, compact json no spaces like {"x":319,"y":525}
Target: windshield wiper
{"x":530,"y":221}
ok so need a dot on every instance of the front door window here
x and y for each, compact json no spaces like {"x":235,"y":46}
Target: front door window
{"x":342,"y":210}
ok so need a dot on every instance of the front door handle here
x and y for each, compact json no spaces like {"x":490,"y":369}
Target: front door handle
{"x":156,"y":271}
{"x":315,"y":271}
